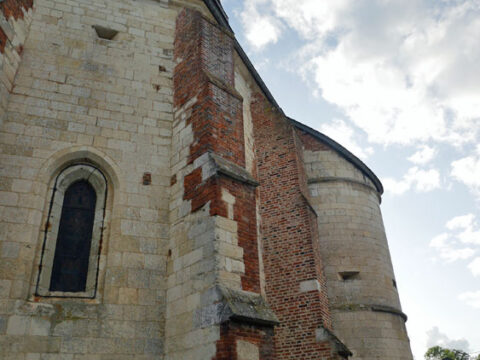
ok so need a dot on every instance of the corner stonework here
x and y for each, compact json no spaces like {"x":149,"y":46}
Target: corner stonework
{"x":213,"y":293}
{"x":15,"y":19}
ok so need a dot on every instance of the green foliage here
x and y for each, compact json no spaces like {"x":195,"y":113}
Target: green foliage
{"x":439,"y":353}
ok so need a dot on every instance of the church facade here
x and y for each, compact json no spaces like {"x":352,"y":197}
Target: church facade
{"x":156,"y":202}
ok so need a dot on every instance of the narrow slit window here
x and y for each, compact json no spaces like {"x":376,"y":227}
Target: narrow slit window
{"x":105,"y":33}
{"x":349,"y":275}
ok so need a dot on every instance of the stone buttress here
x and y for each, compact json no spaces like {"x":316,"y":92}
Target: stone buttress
{"x":225,"y":230}
{"x":214,"y":306}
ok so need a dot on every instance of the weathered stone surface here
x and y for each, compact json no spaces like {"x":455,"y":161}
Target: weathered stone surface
{"x":247,"y":351}
{"x":360,"y":279}
{"x":216,"y":256}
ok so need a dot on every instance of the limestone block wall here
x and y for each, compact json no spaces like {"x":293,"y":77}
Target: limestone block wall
{"x":15,"y":18}
{"x":244,"y":85}
{"x":361,"y":284}
{"x":81,"y":98}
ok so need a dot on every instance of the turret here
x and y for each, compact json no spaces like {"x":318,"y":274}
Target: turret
{"x":361,"y":285}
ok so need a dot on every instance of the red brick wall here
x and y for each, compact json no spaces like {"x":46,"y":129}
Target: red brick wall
{"x":206,"y":73}
{"x":258,"y":335}
{"x":291,"y":255}
{"x":290,"y":237}
{"x":310,"y":143}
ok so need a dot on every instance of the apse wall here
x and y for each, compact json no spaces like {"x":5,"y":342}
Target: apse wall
{"x":361,"y":283}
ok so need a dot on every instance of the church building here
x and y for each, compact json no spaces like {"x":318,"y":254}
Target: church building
{"x":157,"y":204}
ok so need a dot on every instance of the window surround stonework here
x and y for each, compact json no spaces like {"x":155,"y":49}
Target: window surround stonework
{"x":67,"y":177}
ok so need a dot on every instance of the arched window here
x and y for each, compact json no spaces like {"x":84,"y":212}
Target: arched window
{"x":70,"y":263}
{"x":70,"y":254}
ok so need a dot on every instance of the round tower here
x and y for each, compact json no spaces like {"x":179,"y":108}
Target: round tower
{"x":361,"y":284}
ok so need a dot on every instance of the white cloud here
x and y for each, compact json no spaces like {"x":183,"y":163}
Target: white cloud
{"x":261,"y":30}
{"x":461,"y":242}
{"x":346,"y":136}
{"x":472,"y":298}
{"x":474,"y":267}
{"x":467,"y":227}
{"x":461,"y":222}
{"x":449,"y":250}
{"x":403,"y":72}
{"x":418,"y":179}
{"x":435,"y":337}
{"x":423,"y":156}
{"x":467,"y":171}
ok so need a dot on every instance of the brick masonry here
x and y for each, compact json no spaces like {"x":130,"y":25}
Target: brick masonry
{"x":244,"y":342}
{"x":211,"y":109}
{"x":216,"y":241}
{"x":290,"y":238}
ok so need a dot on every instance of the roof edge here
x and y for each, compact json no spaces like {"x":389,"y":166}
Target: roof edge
{"x":218,"y":12}
{"x":346,"y":154}
{"x":221,"y":17}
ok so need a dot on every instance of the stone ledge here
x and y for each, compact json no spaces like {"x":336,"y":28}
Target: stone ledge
{"x":319,"y":180}
{"x":374,"y":308}
{"x":222,"y":304}
{"x":390,"y":310}
{"x":340,"y":179}
{"x":323,"y":334}
{"x":247,"y":307}
{"x":212,"y":79}
{"x":232,"y":170}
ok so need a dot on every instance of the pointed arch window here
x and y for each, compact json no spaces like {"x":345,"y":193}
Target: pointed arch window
{"x":73,"y":233}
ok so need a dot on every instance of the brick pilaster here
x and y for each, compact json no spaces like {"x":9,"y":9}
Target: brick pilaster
{"x":295,"y":283}
{"x":215,"y":176}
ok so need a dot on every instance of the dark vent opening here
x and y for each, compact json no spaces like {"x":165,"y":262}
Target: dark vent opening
{"x":105,"y":33}
{"x":349,"y":275}
{"x":394,"y":283}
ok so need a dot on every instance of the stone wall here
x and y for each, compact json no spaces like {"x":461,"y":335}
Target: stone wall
{"x":361,"y":285}
{"x":208,"y":216}
{"x":76,"y":98}
{"x":15,"y":18}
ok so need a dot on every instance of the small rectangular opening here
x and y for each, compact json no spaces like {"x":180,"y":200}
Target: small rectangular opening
{"x":348,"y":275}
{"x":394,"y":282}
{"x":105,"y":33}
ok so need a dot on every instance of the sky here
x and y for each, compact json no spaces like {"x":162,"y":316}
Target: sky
{"x":398,"y":83}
